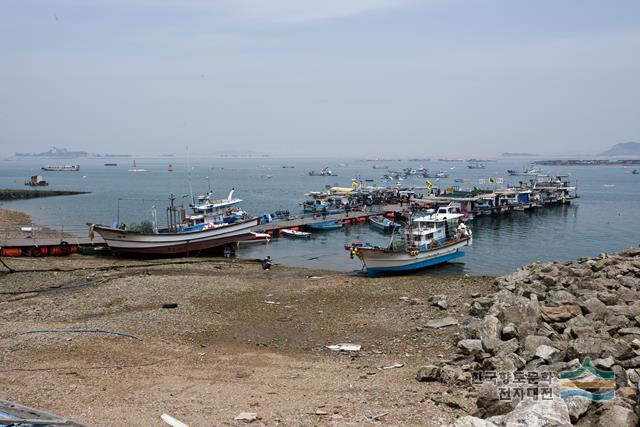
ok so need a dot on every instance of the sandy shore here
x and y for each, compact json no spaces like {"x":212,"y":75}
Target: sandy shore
{"x":240,"y":340}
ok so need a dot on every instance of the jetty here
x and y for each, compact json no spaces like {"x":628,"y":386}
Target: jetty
{"x":15,"y":194}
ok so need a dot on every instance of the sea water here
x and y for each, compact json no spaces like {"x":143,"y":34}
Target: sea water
{"x":605,"y":218}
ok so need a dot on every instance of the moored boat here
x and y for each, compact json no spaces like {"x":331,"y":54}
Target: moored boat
{"x":295,"y":233}
{"x":429,"y":240}
{"x":325,"y":225}
{"x":258,"y":238}
{"x":382,"y":223}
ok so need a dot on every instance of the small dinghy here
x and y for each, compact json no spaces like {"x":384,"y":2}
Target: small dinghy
{"x":295,"y":233}
{"x":258,"y":238}
{"x":382,"y":223}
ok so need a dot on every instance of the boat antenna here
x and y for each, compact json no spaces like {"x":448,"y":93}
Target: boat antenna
{"x":189,"y":176}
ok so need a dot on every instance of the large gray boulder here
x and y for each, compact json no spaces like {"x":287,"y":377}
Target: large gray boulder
{"x":536,"y":413}
{"x":469,"y":421}
{"x":617,"y":416}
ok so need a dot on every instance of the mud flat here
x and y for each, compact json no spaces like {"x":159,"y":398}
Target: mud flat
{"x":240,"y":340}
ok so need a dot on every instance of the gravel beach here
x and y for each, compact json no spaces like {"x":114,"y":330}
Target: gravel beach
{"x":240,"y":340}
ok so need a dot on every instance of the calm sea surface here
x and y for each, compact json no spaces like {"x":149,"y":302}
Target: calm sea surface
{"x":605,"y":218}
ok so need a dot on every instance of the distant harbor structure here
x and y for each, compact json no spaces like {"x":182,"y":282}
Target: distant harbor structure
{"x":61,"y":168}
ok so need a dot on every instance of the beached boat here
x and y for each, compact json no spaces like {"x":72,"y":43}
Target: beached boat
{"x":382,"y":223}
{"x":429,"y":240}
{"x":61,"y":168}
{"x":181,"y":237}
{"x":325,"y":225}
{"x":295,"y":233}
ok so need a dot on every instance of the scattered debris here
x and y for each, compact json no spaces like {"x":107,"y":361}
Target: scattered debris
{"x":344,"y":347}
{"x":247,"y":417}
{"x":172,"y":421}
{"x":441,"y":323}
{"x":395,"y":365}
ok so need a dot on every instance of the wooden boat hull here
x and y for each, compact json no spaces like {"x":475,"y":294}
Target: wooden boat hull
{"x":126,"y":243}
{"x":379,"y":262}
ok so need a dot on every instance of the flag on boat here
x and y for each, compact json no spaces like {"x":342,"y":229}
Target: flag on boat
{"x":429,"y":185}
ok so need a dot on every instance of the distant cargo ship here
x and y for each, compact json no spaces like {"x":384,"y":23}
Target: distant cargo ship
{"x":61,"y":168}
{"x":111,"y":164}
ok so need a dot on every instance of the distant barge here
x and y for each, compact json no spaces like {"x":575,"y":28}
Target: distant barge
{"x":61,"y":168}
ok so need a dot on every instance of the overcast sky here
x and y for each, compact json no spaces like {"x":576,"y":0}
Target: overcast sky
{"x":399,"y":78}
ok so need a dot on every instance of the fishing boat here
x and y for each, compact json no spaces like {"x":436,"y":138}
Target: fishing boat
{"x":429,"y":240}
{"x":295,"y":233}
{"x":476,"y":165}
{"x":382,"y":223}
{"x":181,"y":237}
{"x":636,"y":171}
{"x":323,"y":172}
{"x":36,"y":181}
{"x":325,"y":225}
{"x":525,"y":172}
{"x":134,"y":168}
{"x":61,"y":168}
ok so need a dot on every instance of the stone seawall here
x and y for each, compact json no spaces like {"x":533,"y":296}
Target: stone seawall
{"x":545,"y":319}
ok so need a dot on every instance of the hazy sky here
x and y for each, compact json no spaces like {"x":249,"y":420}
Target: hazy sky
{"x":398,"y":78}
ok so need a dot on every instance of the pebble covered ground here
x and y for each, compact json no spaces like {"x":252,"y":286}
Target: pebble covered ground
{"x":240,"y":340}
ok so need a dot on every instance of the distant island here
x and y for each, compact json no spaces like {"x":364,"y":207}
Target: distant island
{"x":67,"y":154}
{"x":623,"y":149}
{"x":55,"y":152}
{"x":508,"y":154}
{"x":587,"y":162}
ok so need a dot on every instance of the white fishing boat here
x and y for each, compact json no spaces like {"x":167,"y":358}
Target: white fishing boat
{"x":181,"y":237}
{"x":429,"y":240}
{"x":135,"y":168}
{"x":295,"y":233}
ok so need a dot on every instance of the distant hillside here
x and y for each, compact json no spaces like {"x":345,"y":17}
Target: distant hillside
{"x":623,"y":149}
{"x":55,"y":152}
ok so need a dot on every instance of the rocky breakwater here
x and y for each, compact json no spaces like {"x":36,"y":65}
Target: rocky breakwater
{"x":544,"y":321}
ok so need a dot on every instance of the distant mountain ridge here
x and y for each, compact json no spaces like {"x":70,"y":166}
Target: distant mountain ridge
{"x":623,"y":149}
